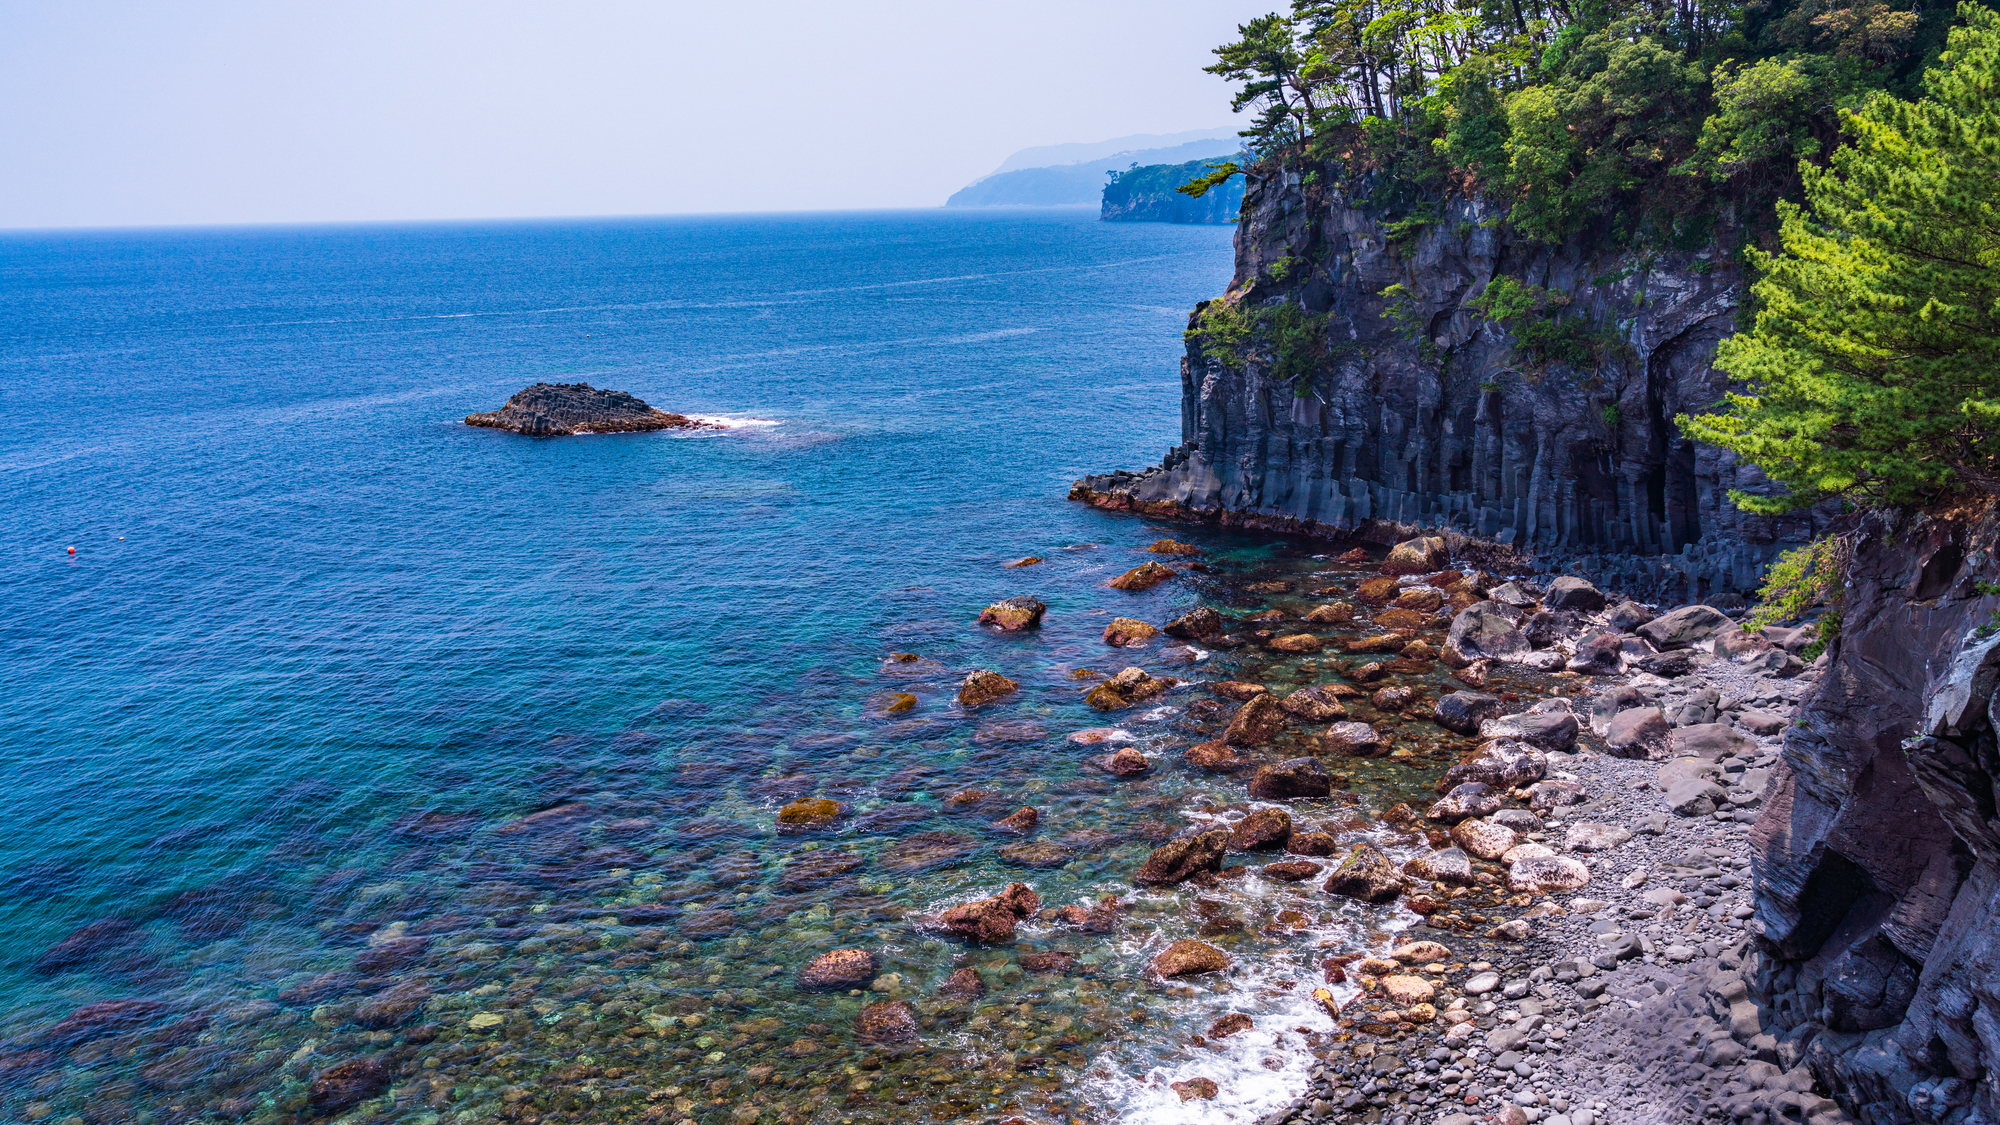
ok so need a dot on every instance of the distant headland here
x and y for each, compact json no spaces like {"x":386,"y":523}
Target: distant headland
{"x":554,"y":409}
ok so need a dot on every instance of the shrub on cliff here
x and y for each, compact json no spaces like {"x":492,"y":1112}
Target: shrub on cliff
{"x":1873,"y":369}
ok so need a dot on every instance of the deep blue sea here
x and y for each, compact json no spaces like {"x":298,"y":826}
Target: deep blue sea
{"x":320,"y":646}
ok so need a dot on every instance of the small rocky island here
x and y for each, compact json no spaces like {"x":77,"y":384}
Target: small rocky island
{"x":551,"y":409}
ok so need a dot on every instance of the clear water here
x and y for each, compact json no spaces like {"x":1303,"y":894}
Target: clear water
{"x":320,"y":646}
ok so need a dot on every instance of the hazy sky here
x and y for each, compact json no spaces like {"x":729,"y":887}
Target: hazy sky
{"x":301,"y":110}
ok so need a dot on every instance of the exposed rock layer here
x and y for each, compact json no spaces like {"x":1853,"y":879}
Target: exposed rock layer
{"x":554,"y":409}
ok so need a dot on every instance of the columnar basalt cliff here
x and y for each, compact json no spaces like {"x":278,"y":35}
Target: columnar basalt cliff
{"x":1419,"y":410}
{"x":1878,"y":855}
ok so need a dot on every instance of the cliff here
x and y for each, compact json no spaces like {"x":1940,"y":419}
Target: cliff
{"x":1151,"y":195}
{"x":1878,"y":855}
{"x":1549,"y":430}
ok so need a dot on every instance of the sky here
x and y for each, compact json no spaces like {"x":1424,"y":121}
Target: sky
{"x":137,"y":114}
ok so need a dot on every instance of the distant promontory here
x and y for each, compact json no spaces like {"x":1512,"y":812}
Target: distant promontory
{"x":553,"y":409}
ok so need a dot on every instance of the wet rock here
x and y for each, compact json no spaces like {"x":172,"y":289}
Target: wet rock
{"x":1215,"y":756}
{"x":1470,"y":799}
{"x":1291,"y":780}
{"x":1312,"y":843}
{"x":1145,"y":576}
{"x":1667,"y":665}
{"x":1128,"y":632}
{"x":1130,"y":687}
{"x":1095,"y":736}
{"x":1255,"y":723}
{"x":983,"y":686}
{"x":1181,"y":859}
{"x":1481,"y":632}
{"x":1040,"y":854}
{"x":1419,"y":599}
{"x":1640,"y":732}
{"x":1463,"y":711}
{"x":1404,"y":991}
{"x":1475,"y":674}
{"x":345,"y":1085}
{"x":393,"y":1006}
{"x":1547,"y":874}
{"x":1171,"y":547}
{"x":1626,"y":617}
{"x":1377,"y":591}
{"x":1195,"y":624}
{"x":1514,"y":595}
{"x":1544,"y":796}
{"x":90,"y":941}
{"x":1599,"y":654}
{"x":1128,"y":761}
{"x":1027,"y":560}
{"x":1013,"y":615}
{"x":1021,"y":822}
{"x":840,"y":969}
{"x":992,"y":919}
{"x":1295,"y":643}
{"x":963,"y":985}
{"x":1238,"y":690}
{"x":1484,"y":839}
{"x":807,"y":813}
{"x":1356,"y":740}
{"x":104,"y":1017}
{"x":1421,"y":555}
{"x":886,"y":1021}
{"x":1262,"y":829}
{"x":1392,"y":699}
{"x":1331,"y":613}
{"x":1548,"y":726}
{"x":1449,"y":865}
{"x":1291,"y":870}
{"x":1401,"y":622}
{"x":1685,"y":627}
{"x":1228,"y":1025}
{"x":1187,"y":958}
{"x":1502,"y":763}
{"x":1314,"y":705}
{"x":1386,"y":642}
{"x":1366,"y":874}
{"x":817,"y":869}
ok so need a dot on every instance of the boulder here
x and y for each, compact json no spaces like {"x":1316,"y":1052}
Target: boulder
{"x":1685,"y":627}
{"x":1761,"y":722}
{"x":1404,"y":991}
{"x":1401,"y":620}
{"x":1356,"y":740}
{"x":1026,"y":560}
{"x":1021,"y":822}
{"x":1366,"y":874}
{"x":1667,"y":665}
{"x":345,"y":1085}
{"x":1502,"y":763}
{"x":1573,"y":593}
{"x":1172,"y":547}
{"x":1483,"y":839}
{"x":963,"y":985}
{"x":1295,"y":643}
{"x":1332,"y":613}
{"x":1189,"y":958}
{"x":1639,"y":732}
{"x":982,"y":686}
{"x":1255,"y":723}
{"x":1215,"y":756}
{"x":1291,"y":780}
{"x":1711,"y":741}
{"x":1584,"y":836}
{"x":1421,"y":555}
{"x":1695,"y":796}
{"x":840,"y":969}
{"x":1013,"y":615}
{"x":1314,"y":705}
{"x":1514,"y":594}
{"x":1543,"y":630}
{"x":1191,"y":1089}
{"x":1481,"y":632}
{"x":1262,"y":829}
{"x":1449,"y":865}
{"x":1544,"y":796}
{"x":1547,"y":726}
{"x":1145,"y":576}
{"x":1626,"y":617}
{"x":886,"y":1021}
{"x":557,"y":409}
{"x":1312,"y":843}
{"x":1520,"y":820}
{"x":1130,"y":687}
{"x":993,"y":919}
{"x":1377,"y":591}
{"x":1467,"y":800}
{"x":1238,"y":690}
{"x":1181,"y":859}
{"x":1546,"y":874}
{"x":1392,"y":698}
{"x":1463,"y":711}
{"x":1599,"y":654}
{"x":1128,"y":632}
{"x":1195,"y":624}
{"x":1127,"y":761}
{"x":809,"y":812}
{"x":1291,"y":870}
{"x":1419,"y":599}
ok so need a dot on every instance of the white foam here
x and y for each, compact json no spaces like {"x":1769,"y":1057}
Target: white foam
{"x":736,"y":421}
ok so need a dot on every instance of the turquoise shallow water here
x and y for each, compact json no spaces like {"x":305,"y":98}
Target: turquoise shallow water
{"x":351,"y":735}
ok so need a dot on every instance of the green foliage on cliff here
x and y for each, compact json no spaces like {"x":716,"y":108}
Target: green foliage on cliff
{"x":1623,"y":116}
{"x":1289,"y":341}
{"x":1873,"y":370}
{"x":1543,"y":333}
{"x":1801,"y":580}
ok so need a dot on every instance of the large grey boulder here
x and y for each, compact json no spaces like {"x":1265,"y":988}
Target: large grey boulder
{"x":1573,"y":593}
{"x":1482,"y":631}
{"x":1685,"y":627}
{"x":1463,"y":711}
{"x":1547,"y":726}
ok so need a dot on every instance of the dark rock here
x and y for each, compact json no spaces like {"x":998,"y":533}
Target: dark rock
{"x":1195,"y":624}
{"x":1039,"y":854}
{"x":1216,"y":756}
{"x":1314,"y":705}
{"x":1229,"y":1025}
{"x":1463,"y":711}
{"x":1710,"y":741}
{"x":1051,"y":961}
{"x":1189,"y":958}
{"x":345,"y":1085}
{"x":992,"y":919}
{"x":1312,"y":843}
{"x":1255,"y":723}
{"x":1022,"y":822}
{"x":816,"y":869}
{"x":90,"y":941}
{"x":839,"y":969}
{"x":886,"y":1021}
{"x":1013,"y":615}
{"x":982,"y":686}
{"x":1548,"y":726}
{"x":1599,"y":654}
{"x":1626,"y":617}
{"x":1685,"y":627}
{"x":104,"y":1017}
{"x":1573,"y":593}
{"x":1469,"y":799}
{"x":393,"y":1006}
{"x":1481,"y":632}
{"x":1197,"y":1088}
{"x":1181,"y":859}
{"x":1366,"y":874}
{"x":1290,"y":780}
{"x":1291,"y":870}
{"x":1667,"y":665}
{"x":1130,"y":687}
{"x":963,"y":985}
{"x":1145,"y":576}
{"x":1546,"y":629}
{"x":552,"y":409}
{"x":1356,"y":740}
{"x":1262,"y":829}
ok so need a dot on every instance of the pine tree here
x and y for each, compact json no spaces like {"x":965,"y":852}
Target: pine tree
{"x":1873,"y":369}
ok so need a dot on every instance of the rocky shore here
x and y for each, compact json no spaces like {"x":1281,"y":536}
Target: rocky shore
{"x":558,"y":409}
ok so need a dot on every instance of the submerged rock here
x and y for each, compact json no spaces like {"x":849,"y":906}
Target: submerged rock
{"x":1128,"y":632}
{"x":1291,"y":870}
{"x":839,"y":969}
{"x":810,"y":812}
{"x":554,"y":409}
{"x":1173,"y":547}
{"x":1291,"y":780}
{"x":963,"y":985}
{"x":1314,"y":705}
{"x":1215,"y":756}
{"x":345,"y":1085}
{"x":1264,"y":828}
{"x":886,"y":1021}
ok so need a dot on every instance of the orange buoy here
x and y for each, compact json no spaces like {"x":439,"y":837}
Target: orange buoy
{"x":72,"y":550}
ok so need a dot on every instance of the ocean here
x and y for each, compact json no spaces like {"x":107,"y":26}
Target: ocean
{"x":353,"y":744}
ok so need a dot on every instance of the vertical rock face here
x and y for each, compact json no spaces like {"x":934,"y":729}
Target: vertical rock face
{"x":1419,"y":411}
{"x":1878,"y":855}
